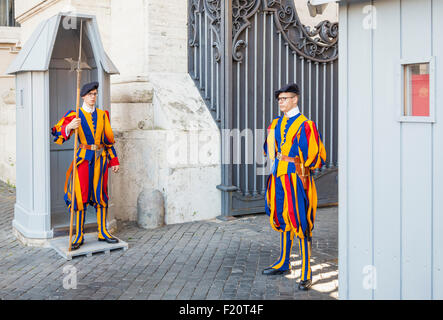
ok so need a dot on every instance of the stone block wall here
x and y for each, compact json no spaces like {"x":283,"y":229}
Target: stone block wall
{"x":30,"y":13}
{"x":9,"y":38}
{"x":166,"y":141}
{"x":158,"y":115}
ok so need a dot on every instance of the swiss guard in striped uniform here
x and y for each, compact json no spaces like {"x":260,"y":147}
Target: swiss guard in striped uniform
{"x":94,"y":156}
{"x":295,"y":146}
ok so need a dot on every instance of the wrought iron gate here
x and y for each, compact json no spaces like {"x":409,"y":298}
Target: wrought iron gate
{"x":239,"y":52}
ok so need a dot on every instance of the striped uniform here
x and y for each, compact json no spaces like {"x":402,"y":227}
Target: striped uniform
{"x":92,"y":169}
{"x":291,"y":208}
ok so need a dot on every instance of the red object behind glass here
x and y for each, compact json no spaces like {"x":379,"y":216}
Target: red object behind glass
{"x":420,"y":95}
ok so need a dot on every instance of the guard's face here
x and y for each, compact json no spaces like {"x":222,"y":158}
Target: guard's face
{"x":287,"y":101}
{"x":91,"y":97}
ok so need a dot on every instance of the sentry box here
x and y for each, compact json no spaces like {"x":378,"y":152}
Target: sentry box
{"x":45,"y":90}
{"x":390,"y":149}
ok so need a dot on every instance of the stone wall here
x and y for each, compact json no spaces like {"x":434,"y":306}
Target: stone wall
{"x":167,"y":141}
{"x":9,"y":38}
{"x":156,"y":113}
{"x":7,"y":133}
{"x":31,"y":12}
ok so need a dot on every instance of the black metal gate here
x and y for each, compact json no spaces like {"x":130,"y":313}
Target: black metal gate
{"x":240,"y":51}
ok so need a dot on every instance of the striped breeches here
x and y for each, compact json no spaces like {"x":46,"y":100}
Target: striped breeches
{"x":287,"y":204}
{"x":91,"y":184}
{"x":283,"y":262}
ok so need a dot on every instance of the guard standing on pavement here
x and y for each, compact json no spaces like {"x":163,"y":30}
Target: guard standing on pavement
{"x":295,"y":146}
{"x":95,"y":155}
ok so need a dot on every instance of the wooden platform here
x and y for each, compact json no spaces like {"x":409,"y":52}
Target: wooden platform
{"x":90,"y":245}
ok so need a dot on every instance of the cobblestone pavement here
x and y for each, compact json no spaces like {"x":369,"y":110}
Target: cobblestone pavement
{"x":207,"y":260}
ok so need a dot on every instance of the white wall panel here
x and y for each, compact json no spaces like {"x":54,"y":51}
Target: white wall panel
{"x":416,"y":165}
{"x":343,"y":174}
{"x":437,"y":217}
{"x":24,"y":161}
{"x":360,"y":113}
{"x":386,"y":151}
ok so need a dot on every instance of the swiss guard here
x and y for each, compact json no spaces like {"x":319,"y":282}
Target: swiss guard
{"x":295,"y":146}
{"x":95,"y":155}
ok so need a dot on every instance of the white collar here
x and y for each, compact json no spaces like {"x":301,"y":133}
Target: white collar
{"x":87,"y":108}
{"x":293,"y":112}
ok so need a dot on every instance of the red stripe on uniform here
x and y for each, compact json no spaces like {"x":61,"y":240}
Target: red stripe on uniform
{"x":277,"y":223}
{"x":83,"y":176}
{"x":307,"y":131}
{"x":105,"y":181}
{"x":290,"y":200}
{"x":294,"y":185}
{"x":315,"y":133}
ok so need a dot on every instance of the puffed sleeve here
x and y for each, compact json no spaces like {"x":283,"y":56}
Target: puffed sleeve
{"x":109,"y":142}
{"x":311,"y":149}
{"x":59,"y":130}
{"x":269,"y":146}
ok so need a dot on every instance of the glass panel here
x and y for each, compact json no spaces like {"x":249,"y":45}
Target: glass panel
{"x":416,"y":90}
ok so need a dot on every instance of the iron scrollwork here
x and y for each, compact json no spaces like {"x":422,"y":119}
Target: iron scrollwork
{"x":319,"y":44}
{"x":213,"y":11}
{"x":242,"y":10}
{"x":194,"y":9}
{"x":211,"y":8}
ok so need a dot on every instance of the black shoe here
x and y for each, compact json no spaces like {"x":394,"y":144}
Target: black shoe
{"x":110,"y":240}
{"x":305,"y":285}
{"x":75,"y":246}
{"x":271,"y":271}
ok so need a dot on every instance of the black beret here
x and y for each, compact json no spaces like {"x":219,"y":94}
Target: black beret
{"x":88,"y":87}
{"x":291,"y":87}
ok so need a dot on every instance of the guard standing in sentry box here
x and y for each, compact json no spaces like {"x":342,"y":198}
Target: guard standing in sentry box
{"x":295,"y":146}
{"x":95,"y":155}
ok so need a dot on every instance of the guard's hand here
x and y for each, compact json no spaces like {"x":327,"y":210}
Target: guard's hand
{"x":115,"y":168}
{"x":74,"y":124}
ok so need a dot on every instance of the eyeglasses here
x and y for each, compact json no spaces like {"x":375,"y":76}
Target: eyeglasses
{"x":92,"y":94}
{"x":284,"y":98}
